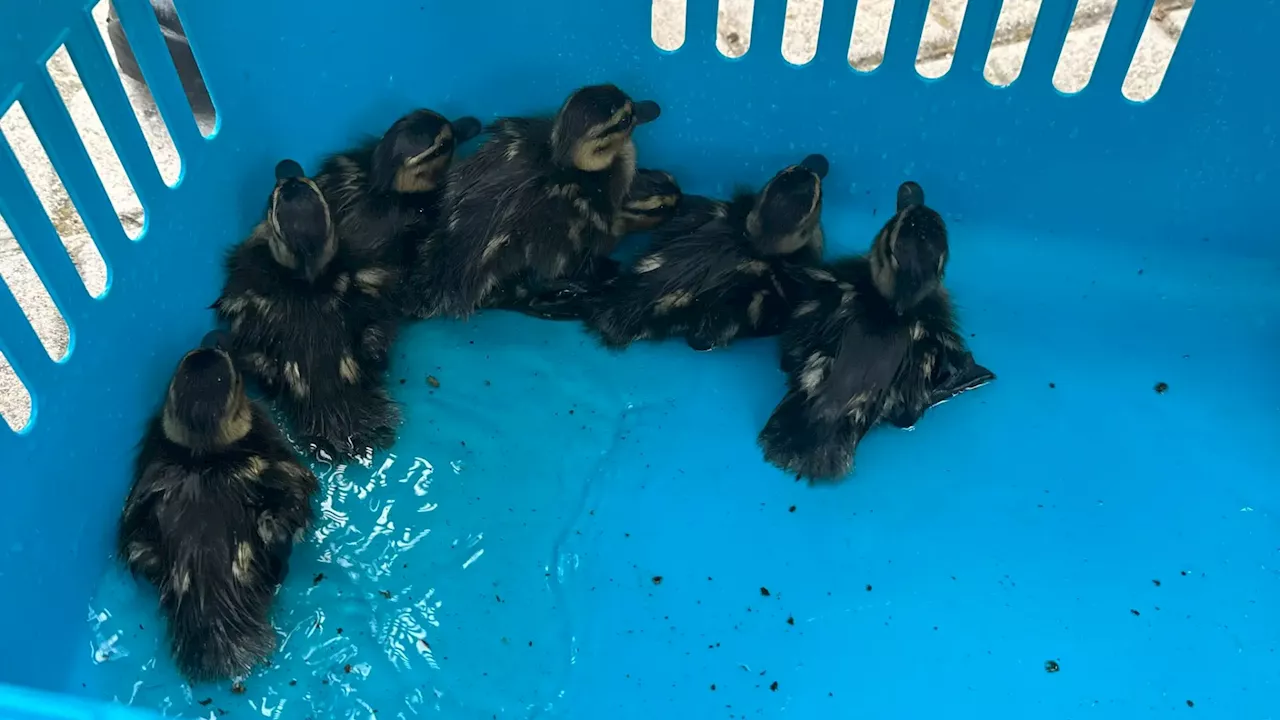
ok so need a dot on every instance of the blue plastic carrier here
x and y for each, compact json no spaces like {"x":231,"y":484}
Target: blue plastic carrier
{"x":1065,"y":513}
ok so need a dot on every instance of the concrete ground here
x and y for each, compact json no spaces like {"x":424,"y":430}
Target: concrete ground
{"x":866,"y":52}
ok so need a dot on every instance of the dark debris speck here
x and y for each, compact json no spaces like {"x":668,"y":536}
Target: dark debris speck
{"x":346,"y":668}
{"x":1161,"y":388}
{"x":206,"y":702}
{"x":868,"y":588}
{"x":1051,"y":666}
{"x":316,"y":580}
{"x":774,"y":686}
{"x":791,"y":620}
{"x":385,"y":593}
{"x":293,"y":683}
{"x":713,"y":688}
{"x":1190,"y":704}
{"x":1135,"y":613}
{"x":764,"y":591}
{"x":1052,"y":386}
{"x":657,"y":579}
{"x":237,"y":688}
{"x":1156,"y":583}
{"x":432,"y":381}
{"x":791,"y":509}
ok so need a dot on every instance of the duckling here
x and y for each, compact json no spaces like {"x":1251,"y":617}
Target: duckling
{"x":217,"y":502}
{"x":538,"y":197}
{"x":715,"y":272}
{"x":384,"y":194}
{"x":311,"y":321}
{"x":652,"y":201}
{"x":876,"y":339}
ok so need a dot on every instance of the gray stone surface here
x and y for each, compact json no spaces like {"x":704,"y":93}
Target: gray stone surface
{"x":733,"y":39}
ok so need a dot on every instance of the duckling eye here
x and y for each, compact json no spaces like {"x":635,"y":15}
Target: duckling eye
{"x":624,"y":123}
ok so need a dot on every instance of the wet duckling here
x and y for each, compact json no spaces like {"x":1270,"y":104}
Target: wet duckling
{"x":652,"y":201}
{"x":218,"y":500}
{"x":311,"y":321}
{"x":538,"y":198}
{"x":874,"y":340}
{"x":384,"y":195}
{"x":717,"y":271}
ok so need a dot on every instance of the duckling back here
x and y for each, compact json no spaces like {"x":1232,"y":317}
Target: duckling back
{"x":315,"y":342}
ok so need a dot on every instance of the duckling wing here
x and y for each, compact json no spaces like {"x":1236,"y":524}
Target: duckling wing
{"x":858,"y":376}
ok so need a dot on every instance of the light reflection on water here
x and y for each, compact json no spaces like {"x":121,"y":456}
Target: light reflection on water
{"x":356,"y":618}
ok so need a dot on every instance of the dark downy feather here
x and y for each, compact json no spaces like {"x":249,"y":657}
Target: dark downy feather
{"x":212,"y":528}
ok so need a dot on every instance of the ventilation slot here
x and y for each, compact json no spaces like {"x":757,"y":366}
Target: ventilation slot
{"x":140,"y":82}
{"x":733,"y":27}
{"x":41,"y":315}
{"x":15,"y":401}
{"x":1155,"y":49}
{"x":800,"y":31}
{"x":1009,"y":46}
{"x":668,"y":23}
{"x":106,"y":162}
{"x":938,"y":41}
{"x":870,"y":33}
{"x":55,"y":200}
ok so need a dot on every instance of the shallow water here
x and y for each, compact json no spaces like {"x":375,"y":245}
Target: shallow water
{"x":564,"y":532}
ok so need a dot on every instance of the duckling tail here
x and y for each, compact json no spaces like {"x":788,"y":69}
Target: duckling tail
{"x":809,"y":447}
{"x":219,"y":631}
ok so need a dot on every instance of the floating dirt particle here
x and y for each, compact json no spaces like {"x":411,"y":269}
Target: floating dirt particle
{"x":1184,"y":573}
{"x":868,"y":588}
{"x":764,"y":591}
{"x":432,"y":381}
{"x":403,"y":381}
{"x":487,"y":383}
{"x":1135,"y":613}
{"x":1052,"y":386}
{"x":657,"y":579}
{"x":206,"y":702}
{"x":774,"y":686}
{"x":346,"y":669}
{"x":713,"y":689}
{"x":1156,"y":583}
{"x":316,"y":580}
{"x":293,"y":683}
{"x":385,"y":593}
{"x":791,"y":509}
{"x":791,"y":620}
{"x":1051,"y":666}
{"x":1190,"y":704}
{"x":237,"y":688}
{"x":339,"y":631}
{"x":1161,"y":388}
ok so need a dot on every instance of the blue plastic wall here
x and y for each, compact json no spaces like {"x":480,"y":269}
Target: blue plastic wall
{"x":1074,"y":193}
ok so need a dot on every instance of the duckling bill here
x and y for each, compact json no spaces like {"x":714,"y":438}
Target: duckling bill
{"x":384,"y":194}
{"x":538,"y":198}
{"x":311,"y":321}
{"x":875,"y":339}
{"x":715,"y":272}
{"x":217,"y":502}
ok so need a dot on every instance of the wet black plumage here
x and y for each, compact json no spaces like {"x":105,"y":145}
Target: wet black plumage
{"x":874,"y":339}
{"x":716,"y":272}
{"x":217,"y":502}
{"x":654,"y":199}
{"x":384,"y":195}
{"x":311,"y":321}
{"x":538,"y":198}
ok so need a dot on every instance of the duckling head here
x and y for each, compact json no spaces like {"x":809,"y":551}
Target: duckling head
{"x":651,"y":201}
{"x":206,"y":408}
{"x":909,"y":256}
{"x":788,"y":210}
{"x":302,"y":237}
{"x":593,"y":128}
{"x":416,"y":151}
